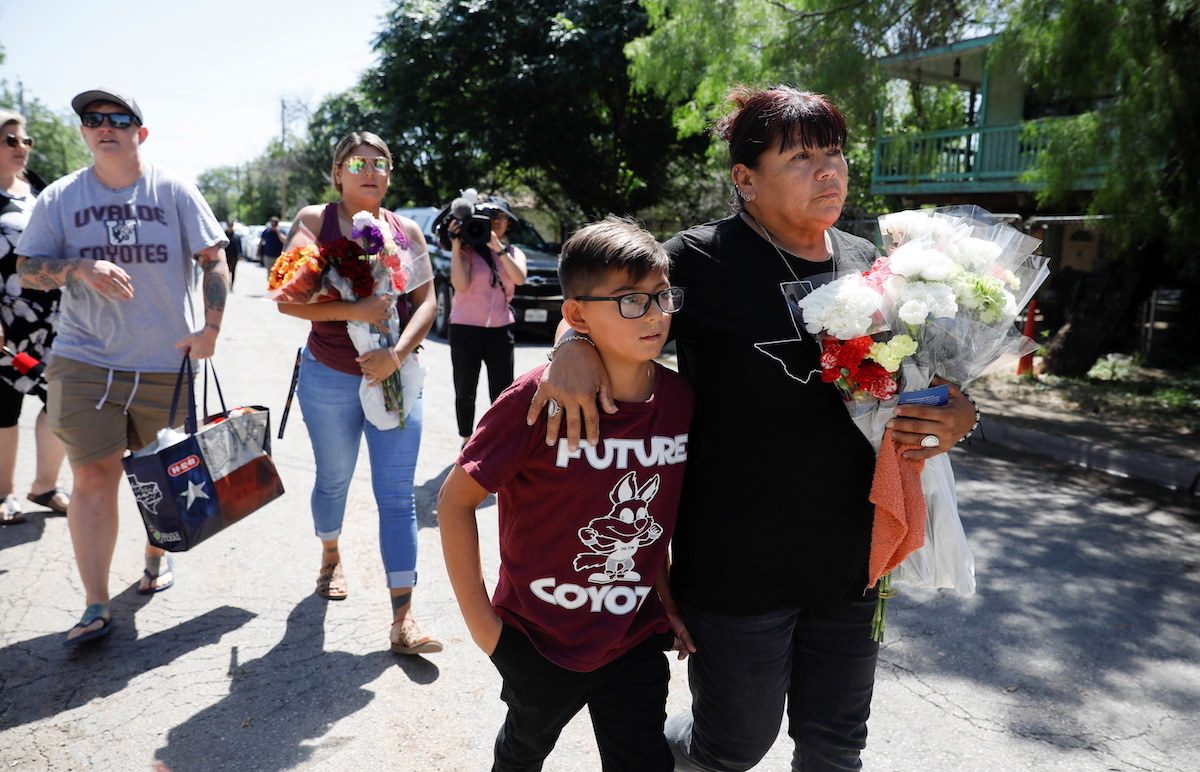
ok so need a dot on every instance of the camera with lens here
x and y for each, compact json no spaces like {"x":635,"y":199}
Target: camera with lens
{"x":474,"y":227}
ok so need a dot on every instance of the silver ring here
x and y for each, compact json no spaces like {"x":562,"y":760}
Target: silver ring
{"x":552,"y":408}
{"x":930,"y":441}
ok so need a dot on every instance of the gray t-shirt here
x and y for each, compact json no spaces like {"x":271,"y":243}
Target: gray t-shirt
{"x":151,"y":229}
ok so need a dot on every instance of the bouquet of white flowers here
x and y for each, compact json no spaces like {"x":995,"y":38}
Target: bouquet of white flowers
{"x":941,"y":302}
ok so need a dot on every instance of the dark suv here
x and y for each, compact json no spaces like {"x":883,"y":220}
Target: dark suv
{"x":537,"y":304}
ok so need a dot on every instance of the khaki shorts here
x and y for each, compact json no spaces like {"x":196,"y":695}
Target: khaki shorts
{"x":92,"y":433}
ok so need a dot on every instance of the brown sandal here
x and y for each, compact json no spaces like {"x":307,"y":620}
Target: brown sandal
{"x":331,"y":582}
{"x":406,"y":638}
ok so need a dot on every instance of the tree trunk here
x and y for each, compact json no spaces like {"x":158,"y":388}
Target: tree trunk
{"x":1100,"y":311}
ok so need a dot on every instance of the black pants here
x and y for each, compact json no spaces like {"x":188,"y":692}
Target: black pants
{"x":469,"y":348}
{"x":626,"y":699}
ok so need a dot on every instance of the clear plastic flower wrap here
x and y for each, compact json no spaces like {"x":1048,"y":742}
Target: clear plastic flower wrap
{"x":955,"y":280}
{"x":951,"y":286}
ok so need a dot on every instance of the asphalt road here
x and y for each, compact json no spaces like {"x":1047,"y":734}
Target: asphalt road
{"x":1080,"y":652}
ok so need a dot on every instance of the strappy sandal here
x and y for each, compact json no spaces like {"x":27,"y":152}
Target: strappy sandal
{"x":331,"y":582}
{"x":406,"y":638}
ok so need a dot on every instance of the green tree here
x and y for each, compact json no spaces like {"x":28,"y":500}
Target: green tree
{"x":60,"y":148}
{"x":222,"y":188}
{"x":1134,"y":66}
{"x":696,"y":49}
{"x":530,"y":93}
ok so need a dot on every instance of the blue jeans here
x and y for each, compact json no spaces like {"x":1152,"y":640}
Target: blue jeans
{"x":746,"y":668}
{"x":335,"y":421}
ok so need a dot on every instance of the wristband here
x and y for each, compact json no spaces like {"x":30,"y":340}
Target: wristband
{"x":978,"y":417}
{"x":212,"y":326}
{"x":568,"y":339}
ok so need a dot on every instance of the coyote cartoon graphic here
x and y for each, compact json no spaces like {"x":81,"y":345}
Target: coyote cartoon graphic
{"x":618,"y":535}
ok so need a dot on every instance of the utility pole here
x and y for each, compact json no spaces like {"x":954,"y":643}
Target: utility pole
{"x":283,"y":146}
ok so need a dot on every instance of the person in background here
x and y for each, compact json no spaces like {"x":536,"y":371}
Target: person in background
{"x":26,"y":331}
{"x":270,"y":244}
{"x":481,"y":319}
{"x":130,"y":309}
{"x":233,"y":251}
{"x":331,"y":370}
{"x":770,"y":556}
{"x":576,"y":525}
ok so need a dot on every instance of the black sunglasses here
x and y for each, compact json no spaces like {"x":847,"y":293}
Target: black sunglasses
{"x":12,"y":140}
{"x":116,"y":120}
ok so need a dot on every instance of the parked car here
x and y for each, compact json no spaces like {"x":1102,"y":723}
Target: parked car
{"x":250,"y":242}
{"x":537,"y":304}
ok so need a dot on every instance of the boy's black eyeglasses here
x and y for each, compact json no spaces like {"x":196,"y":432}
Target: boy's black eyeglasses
{"x":116,"y":120}
{"x":635,"y":304}
{"x":12,"y":140}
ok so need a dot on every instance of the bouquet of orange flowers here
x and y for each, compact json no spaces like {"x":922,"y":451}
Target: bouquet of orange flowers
{"x":367,"y":264}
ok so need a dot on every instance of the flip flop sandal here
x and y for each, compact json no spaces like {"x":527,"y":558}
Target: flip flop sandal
{"x":96,"y":611}
{"x":47,"y":500}
{"x":10,"y":511}
{"x":169,"y":569}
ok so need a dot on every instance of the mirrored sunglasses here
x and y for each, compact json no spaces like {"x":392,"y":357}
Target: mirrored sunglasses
{"x":355,"y":165}
{"x":116,"y":120}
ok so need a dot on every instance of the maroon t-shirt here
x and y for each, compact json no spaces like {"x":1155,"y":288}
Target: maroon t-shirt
{"x":329,"y":342}
{"x":583,"y":535}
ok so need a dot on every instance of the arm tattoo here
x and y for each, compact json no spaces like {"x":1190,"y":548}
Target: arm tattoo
{"x":44,"y":273}
{"x":216,"y":283}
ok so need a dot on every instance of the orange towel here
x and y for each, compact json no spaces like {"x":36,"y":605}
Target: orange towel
{"x":899,"y":526}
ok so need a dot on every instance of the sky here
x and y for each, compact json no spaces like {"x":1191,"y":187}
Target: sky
{"x":209,"y":76}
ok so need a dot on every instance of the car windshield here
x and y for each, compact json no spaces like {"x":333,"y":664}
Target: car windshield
{"x":523,"y":235}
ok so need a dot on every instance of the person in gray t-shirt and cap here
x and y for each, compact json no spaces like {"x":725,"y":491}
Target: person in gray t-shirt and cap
{"x":141,"y":263}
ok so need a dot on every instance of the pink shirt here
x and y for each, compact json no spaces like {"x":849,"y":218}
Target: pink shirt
{"x":482,"y":304}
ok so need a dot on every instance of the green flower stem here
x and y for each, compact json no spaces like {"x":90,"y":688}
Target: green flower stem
{"x":879,"y":620}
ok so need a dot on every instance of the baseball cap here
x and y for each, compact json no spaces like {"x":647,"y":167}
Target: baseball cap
{"x":116,"y":96}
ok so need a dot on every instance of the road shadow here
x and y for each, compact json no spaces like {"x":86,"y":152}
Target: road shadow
{"x":282,"y":700}
{"x":1086,"y":587}
{"x":426,"y":496}
{"x":40,"y":678}
{"x":31,"y":530}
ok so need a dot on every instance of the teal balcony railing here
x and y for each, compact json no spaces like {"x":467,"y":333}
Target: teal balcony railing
{"x":980,"y":159}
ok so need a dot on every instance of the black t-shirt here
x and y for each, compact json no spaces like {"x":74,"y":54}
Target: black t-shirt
{"x":774,"y":510}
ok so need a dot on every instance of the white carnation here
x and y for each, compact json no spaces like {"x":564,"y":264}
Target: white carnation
{"x":919,"y":263}
{"x":363,"y":220}
{"x":845,"y":308}
{"x":917,"y":301}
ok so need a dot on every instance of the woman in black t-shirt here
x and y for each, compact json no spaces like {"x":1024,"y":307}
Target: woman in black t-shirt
{"x":770,"y":552}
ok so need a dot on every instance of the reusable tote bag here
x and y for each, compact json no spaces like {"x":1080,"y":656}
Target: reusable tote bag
{"x":192,"y":484}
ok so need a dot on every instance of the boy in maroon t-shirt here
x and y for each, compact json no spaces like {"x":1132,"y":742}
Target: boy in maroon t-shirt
{"x":582,"y":609}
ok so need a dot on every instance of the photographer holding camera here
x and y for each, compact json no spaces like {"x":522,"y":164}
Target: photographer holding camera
{"x":484,"y":272}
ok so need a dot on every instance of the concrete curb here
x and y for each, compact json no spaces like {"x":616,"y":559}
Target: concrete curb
{"x":1176,"y":474}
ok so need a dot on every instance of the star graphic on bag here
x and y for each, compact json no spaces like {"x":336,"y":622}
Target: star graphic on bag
{"x":194,"y":492}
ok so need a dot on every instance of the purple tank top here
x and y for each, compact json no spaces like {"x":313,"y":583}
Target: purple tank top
{"x":328,"y":341}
